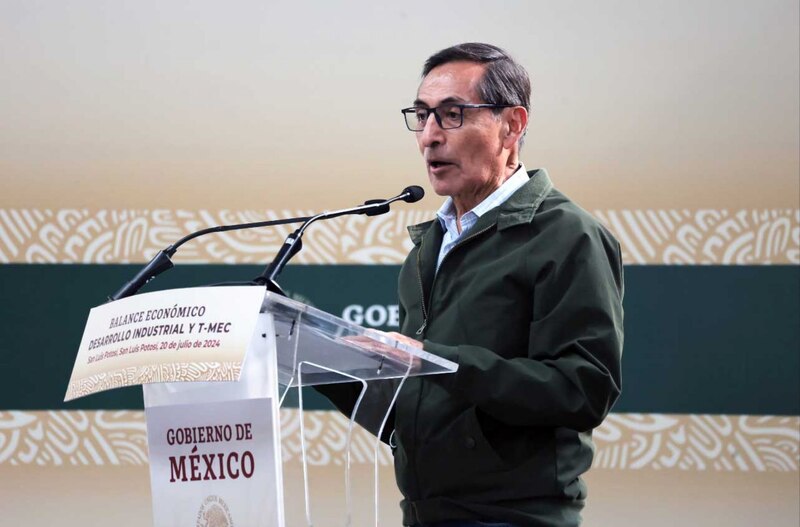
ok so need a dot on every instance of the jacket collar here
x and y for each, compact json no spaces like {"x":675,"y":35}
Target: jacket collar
{"x":518,"y":209}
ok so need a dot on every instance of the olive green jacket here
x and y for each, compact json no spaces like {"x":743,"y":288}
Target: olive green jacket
{"x":529,"y":305}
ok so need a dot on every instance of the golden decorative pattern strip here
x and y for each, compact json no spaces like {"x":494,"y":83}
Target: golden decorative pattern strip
{"x":175,"y":372}
{"x":704,"y":236}
{"x":699,"y":442}
{"x":743,"y":237}
{"x":729,"y":443}
{"x":55,"y":438}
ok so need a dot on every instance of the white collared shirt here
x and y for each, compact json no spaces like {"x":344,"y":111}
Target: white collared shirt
{"x":447,"y":212}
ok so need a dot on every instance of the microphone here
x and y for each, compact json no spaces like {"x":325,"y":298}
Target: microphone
{"x":412,"y":194}
{"x":294,"y":242}
{"x":162,"y":260}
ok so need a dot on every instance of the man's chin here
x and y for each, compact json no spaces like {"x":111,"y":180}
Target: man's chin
{"x":440,"y":189}
{"x":442,"y":186}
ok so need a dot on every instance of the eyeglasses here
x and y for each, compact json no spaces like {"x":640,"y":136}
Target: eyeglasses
{"x":448,"y":116}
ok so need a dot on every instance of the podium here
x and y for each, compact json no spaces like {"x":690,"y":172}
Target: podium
{"x":216,"y":364}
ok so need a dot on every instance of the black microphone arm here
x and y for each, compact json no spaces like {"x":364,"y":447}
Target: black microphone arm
{"x":294,"y":242}
{"x":162,"y":260}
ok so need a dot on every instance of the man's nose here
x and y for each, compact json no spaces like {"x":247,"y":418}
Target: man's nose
{"x":432,"y":134}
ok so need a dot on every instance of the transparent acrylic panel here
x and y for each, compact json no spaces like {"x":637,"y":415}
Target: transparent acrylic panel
{"x":306,"y":335}
{"x":361,"y":371}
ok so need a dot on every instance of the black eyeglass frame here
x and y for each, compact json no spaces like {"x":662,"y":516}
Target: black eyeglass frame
{"x":435,"y":112}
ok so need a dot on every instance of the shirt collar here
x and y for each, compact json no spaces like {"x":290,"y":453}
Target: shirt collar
{"x":447,"y":212}
{"x":518,"y":209}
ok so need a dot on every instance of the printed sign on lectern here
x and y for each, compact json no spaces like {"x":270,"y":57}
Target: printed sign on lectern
{"x":181,"y":335}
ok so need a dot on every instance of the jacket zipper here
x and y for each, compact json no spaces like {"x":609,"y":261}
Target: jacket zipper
{"x":425,"y":313}
{"x":422,"y":290}
{"x":419,"y":394}
{"x":420,"y":331}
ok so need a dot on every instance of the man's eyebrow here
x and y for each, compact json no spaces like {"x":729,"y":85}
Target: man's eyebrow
{"x":448,"y":100}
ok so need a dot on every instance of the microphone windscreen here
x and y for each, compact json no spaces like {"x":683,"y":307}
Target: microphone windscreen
{"x":413,"y":194}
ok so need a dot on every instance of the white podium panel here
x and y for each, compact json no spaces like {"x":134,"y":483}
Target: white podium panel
{"x":213,"y":411}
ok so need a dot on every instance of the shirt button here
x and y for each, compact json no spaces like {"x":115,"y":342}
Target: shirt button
{"x":469,"y":442}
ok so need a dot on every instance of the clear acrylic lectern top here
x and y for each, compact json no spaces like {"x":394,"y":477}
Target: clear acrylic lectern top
{"x":323,"y":342}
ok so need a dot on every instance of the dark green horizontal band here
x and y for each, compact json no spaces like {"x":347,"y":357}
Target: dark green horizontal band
{"x":699,"y":339}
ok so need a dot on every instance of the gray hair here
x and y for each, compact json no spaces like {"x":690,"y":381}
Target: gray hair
{"x":505,"y":81}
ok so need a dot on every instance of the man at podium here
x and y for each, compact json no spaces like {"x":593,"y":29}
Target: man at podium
{"x":523,"y":290}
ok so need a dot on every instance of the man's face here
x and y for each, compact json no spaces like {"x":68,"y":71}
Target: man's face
{"x":466,"y":163}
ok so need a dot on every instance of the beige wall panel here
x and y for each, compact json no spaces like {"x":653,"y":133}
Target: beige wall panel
{"x":75,"y":496}
{"x":120,"y":496}
{"x":90,"y":468}
{"x":254,"y":105}
{"x":628,"y":498}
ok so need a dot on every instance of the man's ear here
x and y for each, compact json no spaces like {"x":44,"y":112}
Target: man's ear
{"x":516,"y":123}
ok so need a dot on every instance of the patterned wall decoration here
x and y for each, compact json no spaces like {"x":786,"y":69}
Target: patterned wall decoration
{"x":699,"y":442}
{"x":705,"y":236}
{"x":623,"y":441}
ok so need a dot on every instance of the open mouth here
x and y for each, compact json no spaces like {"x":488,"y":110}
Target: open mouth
{"x":438,"y":164}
